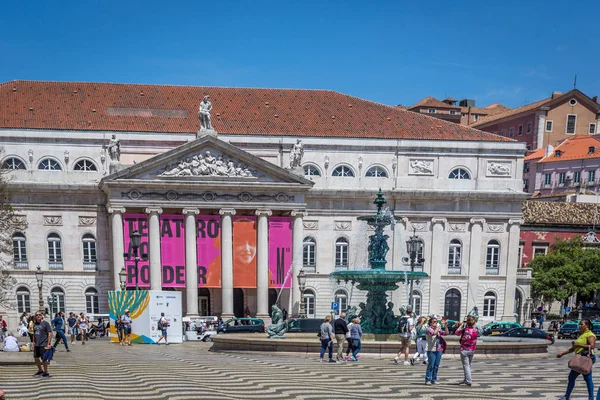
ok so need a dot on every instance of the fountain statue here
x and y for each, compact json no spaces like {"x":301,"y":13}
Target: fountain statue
{"x":377,"y":315}
{"x":279,"y":327}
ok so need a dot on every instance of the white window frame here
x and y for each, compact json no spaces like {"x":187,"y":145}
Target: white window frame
{"x":311,"y":170}
{"x":574,"y":124}
{"x":13,"y":163}
{"x":309,"y":253}
{"x":459,"y":173}
{"x":577,"y":177}
{"x":345,"y":171}
{"x":23,"y":300}
{"x":19,"y":247}
{"x":376,"y":171}
{"x":489,"y":304}
{"x":547,"y":179}
{"x":431,"y":111}
{"x":492,"y":257}
{"x":454,"y":257}
{"x":341,"y":297}
{"x":591,"y":176}
{"x":452,"y":112}
{"x":520,"y":257}
{"x":49,"y":164}
{"x":475,"y":117}
{"x":549,"y":121}
{"x":92,"y":301}
{"x":592,"y":129}
{"x":310,"y":303}
{"x":539,"y":247}
{"x":562,"y":177}
{"x":417,"y":302}
{"x":342,"y":252}
{"x":54,"y":247}
{"x":59,"y":294}
{"x":85,"y":165}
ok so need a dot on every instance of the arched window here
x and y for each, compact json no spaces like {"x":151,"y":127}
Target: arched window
{"x":57,"y":296}
{"x":489,"y":305}
{"x":309,"y":303}
{"x":459,"y":173}
{"x":376,"y":172}
{"x":342,"y":170}
{"x":89,"y":252}
{"x":54,"y":251}
{"x":492,"y":259}
{"x":341,"y":297}
{"x":341,"y":253}
{"x":85,"y":165}
{"x":91,"y":301}
{"x":20,"y":251}
{"x":311,"y":170}
{"x":309,"y":253}
{"x":452,"y":304}
{"x":13,"y":163}
{"x":454,"y":252}
{"x":49,"y":164}
{"x":23,"y":303}
{"x":416,"y":302}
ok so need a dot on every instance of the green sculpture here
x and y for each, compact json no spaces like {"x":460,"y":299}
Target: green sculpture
{"x":279,"y":327}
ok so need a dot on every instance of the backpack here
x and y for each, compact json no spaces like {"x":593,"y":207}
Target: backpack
{"x":403,"y":325}
{"x":160,"y":324}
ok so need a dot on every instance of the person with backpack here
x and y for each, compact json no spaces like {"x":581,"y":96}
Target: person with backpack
{"x":405,"y":327}
{"x":420,"y":334}
{"x":163,"y":324}
{"x":468,"y":343}
{"x":435,"y":348}
{"x":349,"y":349}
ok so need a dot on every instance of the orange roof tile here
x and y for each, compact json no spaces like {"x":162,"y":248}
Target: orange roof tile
{"x":432,"y":102}
{"x":511,"y":112}
{"x":536,"y":154}
{"x":236,"y":111}
{"x":575,"y":148}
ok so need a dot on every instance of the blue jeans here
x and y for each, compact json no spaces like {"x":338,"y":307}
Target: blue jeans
{"x":588,"y":381}
{"x":356,"y":346}
{"x":61,"y":335}
{"x":433,"y":363}
{"x":326,"y":343}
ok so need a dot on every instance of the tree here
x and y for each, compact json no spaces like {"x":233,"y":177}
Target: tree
{"x":9,"y":224}
{"x":569,"y":268}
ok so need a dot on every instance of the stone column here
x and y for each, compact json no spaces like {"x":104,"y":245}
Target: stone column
{"x":474,"y":269}
{"x":191,"y":262}
{"x":435,"y":275}
{"x":154,"y":247}
{"x":512,"y":263}
{"x":297,"y":250}
{"x":262,"y":264}
{"x":118,"y":244}
{"x":227,"y":262}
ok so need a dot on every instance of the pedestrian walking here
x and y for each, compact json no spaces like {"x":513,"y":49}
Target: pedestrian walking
{"x":435,"y":349}
{"x":163,"y":324}
{"x":356,"y":334}
{"x":119,"y":327}
{"x":83,"y":322}
{"x":349,"y":341}
{"x":58,"y":323}
{"x":326,"y":336}
{"x":584,"y":345}
{"x":340,"y":328}
{"x":126,"y":319}
{"x":3,"y":328}
{"x":420,"y":333}
{"x":42,"y":337}
{"x":72,"y":323}
{"x":405,"y":327}
{"x":468,"y":343}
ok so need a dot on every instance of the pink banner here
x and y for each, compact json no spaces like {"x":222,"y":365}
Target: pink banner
{"x":172,"y":250}
{"x":139,"y":222}
{"x":209,"y":251}
{"x":280,"y":252}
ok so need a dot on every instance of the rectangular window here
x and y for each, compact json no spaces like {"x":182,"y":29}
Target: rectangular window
{"x":525,"y":184}
{"x":520,"y":130}
{"x":91,"y":304}
{"x":561,"y":178}
{"x":431,"y":111}
{"x":547,"y":179}
{"x":511,"y":132}
{"x":520,"y":257}
{"x":591,"y":177}
{"x":492,"y":260}
{"x":529,"y":127}
{"x":489,"y":306}
{"x":526,"y":167}
{"x":576,"y":177}
{"x":475,"y":117}
{"x":548,"y":126}
{"x":571,"y":121}
{"x":503,"y":133}
{"x":592,"y":129}
{"x":452,"y":112}
{"x":539,"y":250}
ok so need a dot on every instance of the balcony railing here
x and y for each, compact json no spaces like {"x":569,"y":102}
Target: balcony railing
{"x":454,"y":269}
{"x":55,"y":265}
{"x":524,"y":273}
{"x":89,"y":266}
{"x":21,"y":264}
{"x":492,"y":271}
{"x":309,"y":267}
{"x":341,"y":266}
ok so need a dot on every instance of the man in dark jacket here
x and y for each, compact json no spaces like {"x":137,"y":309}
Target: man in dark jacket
{"x":340,"y":328}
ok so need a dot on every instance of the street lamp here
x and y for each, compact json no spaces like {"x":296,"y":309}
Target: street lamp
{"x":302,"y":286}
{"x":135,"y":238}
{"x":414,"y":247}
{"x":122,"y":278}
{"x":39,"y":277}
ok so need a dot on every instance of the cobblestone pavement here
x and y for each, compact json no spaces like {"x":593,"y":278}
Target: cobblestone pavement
{"x":102,"y":370}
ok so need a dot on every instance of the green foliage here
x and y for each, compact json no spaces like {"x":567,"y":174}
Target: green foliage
{"x":570,"y":267}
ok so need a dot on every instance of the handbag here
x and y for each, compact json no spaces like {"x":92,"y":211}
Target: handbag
{"x":581,"y":363}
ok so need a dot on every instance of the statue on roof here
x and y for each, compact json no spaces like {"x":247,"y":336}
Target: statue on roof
{"x":296,"y":155}
{"x":204,"y":114}
{"x":114,"y":149}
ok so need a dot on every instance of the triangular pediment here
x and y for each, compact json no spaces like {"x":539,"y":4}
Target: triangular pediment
{"x":208,"y":159}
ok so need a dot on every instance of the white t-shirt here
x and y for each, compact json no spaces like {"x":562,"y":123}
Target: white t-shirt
{"x":409,"y":322}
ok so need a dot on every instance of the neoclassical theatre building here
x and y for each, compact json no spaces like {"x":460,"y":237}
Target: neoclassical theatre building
{"x":233,"y":195}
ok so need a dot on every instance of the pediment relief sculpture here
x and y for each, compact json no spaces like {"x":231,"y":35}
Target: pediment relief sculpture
{"x":208,"y":164}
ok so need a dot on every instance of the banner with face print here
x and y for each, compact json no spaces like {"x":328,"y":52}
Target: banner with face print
{"x":280,"y":252}
{"x":244,"y":251}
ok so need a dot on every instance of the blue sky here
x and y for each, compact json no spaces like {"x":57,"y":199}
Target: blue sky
{"x":393,"y":52}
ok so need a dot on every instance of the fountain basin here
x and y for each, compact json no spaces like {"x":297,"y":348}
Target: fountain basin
{"x":380,"y":279}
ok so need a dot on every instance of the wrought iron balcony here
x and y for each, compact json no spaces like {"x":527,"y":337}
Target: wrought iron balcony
{"x":454,"y":269}
{"x":55,"y":265}
{"x":90,"y":266}
{"x":492,"y":271}
{"x":21,"y":264}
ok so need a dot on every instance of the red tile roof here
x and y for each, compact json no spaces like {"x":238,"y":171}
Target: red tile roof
{"x":536,"y":154}
{"x":511,"y":112}
{"x":576,"y":147}
{"x":432,"y":102}
{"x":173,"y":109}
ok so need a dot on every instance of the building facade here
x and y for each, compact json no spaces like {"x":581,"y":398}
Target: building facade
{"x":458,"y":189}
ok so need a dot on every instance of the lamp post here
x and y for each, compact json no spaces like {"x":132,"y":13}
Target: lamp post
{"x":302,"y":286}
{"x":414,"y":246}
{"x":123,"y":278}
{"x":135,"y":238}
{"x":39,"y":277}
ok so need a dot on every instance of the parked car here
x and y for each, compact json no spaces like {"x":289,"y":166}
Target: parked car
{"x":239,"y":325}
{"x":569,"y":329}
{"x":497,"y":328}
{"x":305,"y":325}
{"x":532,"y":333}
